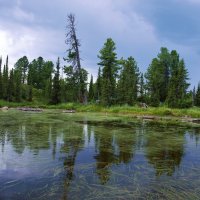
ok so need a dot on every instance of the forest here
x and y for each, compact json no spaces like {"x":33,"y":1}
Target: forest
{"x":119,"y":80}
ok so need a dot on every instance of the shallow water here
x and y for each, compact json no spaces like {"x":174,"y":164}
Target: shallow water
{"x":80,"y":156}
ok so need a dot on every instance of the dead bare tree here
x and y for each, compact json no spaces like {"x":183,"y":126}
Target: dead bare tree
{"x":73,"y":55}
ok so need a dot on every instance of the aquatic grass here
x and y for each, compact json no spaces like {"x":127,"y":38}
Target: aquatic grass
{"x":126,"y":152}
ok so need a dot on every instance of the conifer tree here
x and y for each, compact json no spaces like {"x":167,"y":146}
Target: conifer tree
{"x":164,"y":58}
{"x":128,"y":82}
{"x":197,"y":96}
{"x":98,"y":85}
{"x":153,"y":84}
{"x":178,"y":85}
{"x":63,"y":90}
{"x":1,"y":81}
{"x":73,"y":58}
{"x":11,"y":86}
{"x":108,"y":60}
{"x":157,"y":76}
{"x":5,"y":80}
{"x":141,"y":96}
{"x":91,"y":90}
{"x":22,"y":66}
{"x":48,"y":90}
{"x":56,"y":96}
{"x":18,"y":86}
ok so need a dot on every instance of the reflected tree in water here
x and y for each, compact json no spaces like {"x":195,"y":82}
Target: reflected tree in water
{"x":112,"y":147}
{"x":126,"y":145}
{"x":73,"y":139}
{"x":164,"y":150}
{"x":105,"y":154}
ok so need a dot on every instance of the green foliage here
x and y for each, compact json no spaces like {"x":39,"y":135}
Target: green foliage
{"x":178,"y":85}
{"x":108,"y":60}
{"x":91,"y":90}
{"x":167,"y":80}
{"x":197,"y":96}
{"x":22,"y":66}
{"x":1,"y":80}
{"x":11,"y":87}
{"x":128,"y":82}
{"x":18,"y":86}
{"x":56,"y":95}
{"x":5,"y":80}
{"x":77,"y":75}
{"x":98,"y":86}
{"x":118,"y":81}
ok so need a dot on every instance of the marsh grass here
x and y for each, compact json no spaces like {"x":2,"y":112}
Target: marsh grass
{"x":124,"y":109}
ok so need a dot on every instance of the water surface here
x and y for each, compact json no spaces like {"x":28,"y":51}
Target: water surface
{"x":55,"y":155}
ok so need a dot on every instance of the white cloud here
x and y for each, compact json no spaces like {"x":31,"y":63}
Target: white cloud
{"x":21,"y":15}
{"x":37,"y":28}
{"x":30,"y":42}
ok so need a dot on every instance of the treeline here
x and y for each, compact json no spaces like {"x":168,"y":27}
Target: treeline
{"x":119,"y":81}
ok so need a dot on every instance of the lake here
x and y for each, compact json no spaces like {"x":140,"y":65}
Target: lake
{"x":53,"y":155}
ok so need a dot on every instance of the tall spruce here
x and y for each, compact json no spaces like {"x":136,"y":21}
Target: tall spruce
{"x":91,"y":90}
{"x":108,"y":61}
{"x":157,"y":76}
{"x":165,"y":62}
{"x":56,"y":96}
{"x":197,"y":96}
{"x":18,"y":85}
{"x":11,"y":86}
{"x":22,"y":66}
{"x":98,"y":85}
{"x":141,"y":96}
{"x":178,"y":85}
{"x":128,"y":82}
{"x":63,"y":90}
{"x":1,"y":81}
{"x":5,"y":80}
{"x":193,"y":96}
{"x":153,"y":82}
{"x":73,"y":57}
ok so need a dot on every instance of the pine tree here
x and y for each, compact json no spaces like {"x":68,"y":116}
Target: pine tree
{"x":128,"y":82}
{"x":5,"y":80}
{"x":164,"y":58}
{"x":141,"y":96}
{"x":154,"y":82}
{"x":197,"y":96}
{"x":63,"y":91}
{"x":56,"y":96}
{"x":1,"y":81}
{"x":178,"y":85}
{"x":108,"y":60}
{"x":48,"y":90}
{"x":18,"y":86}
{"x":157,"y":76}
{"x":22,"y":66}
{"x":73,"y":58}
{"x":98,"y":86}
{"x":91,"y":90}
{"x":193,"y":96}
{"x":11,"y":87}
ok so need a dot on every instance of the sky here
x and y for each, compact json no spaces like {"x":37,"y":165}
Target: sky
{"x":138,"y":27}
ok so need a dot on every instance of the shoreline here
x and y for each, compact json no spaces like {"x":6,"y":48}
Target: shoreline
{"x":141,"y":114}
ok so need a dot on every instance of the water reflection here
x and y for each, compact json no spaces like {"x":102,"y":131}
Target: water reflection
{"x":54,"y":155}
{"x":165,"y":151}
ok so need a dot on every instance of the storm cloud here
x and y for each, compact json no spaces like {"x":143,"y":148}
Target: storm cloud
{"x":139,"y":28}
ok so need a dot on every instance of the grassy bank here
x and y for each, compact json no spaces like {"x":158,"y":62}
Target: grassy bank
{"x":132,"y":110}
